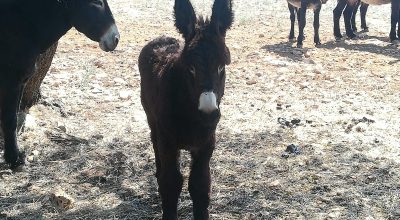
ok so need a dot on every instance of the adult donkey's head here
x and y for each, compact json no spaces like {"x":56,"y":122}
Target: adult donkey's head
{"x":95,"y":20}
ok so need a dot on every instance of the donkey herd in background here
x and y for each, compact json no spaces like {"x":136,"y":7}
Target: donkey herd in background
{"x":349,"y":10}
{"x":181,"y":86}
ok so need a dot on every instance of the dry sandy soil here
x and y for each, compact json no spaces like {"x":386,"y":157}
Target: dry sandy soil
{"x":339,"y":103}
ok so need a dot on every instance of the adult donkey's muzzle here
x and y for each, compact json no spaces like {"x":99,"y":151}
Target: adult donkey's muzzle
{"x":109,"y":41}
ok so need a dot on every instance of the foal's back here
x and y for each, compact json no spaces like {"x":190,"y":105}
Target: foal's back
{"x":155,"y":61}
{"x":156,"y":55}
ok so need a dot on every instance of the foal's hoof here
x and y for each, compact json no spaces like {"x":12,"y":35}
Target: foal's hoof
{"x":318,"y":44}
{"x":292,"y":40}
{"x":299,"y":45}
{"x":16,"y":161}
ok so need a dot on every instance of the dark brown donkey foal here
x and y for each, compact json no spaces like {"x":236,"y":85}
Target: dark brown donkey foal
{"x":181,"y":89}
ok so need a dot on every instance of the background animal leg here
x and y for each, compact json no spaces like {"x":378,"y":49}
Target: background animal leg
{"x":292,"y":11}
{"x":395,"y":17}
{"x":302,"y":23}
{"x":337,"y":13}
{"x":317,"y":40}
{"x":363,"y":13}
{"x":347,"y":15}
{"x":353,"y":16}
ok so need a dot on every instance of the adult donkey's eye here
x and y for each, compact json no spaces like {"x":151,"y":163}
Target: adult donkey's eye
{"x":98,"y":3}
{"x":192,"y":70}
{"x":220,"y":69}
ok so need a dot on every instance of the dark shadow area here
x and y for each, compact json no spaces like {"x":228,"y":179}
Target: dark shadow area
{"x":289,"y":50}
{"x":245,"y":168}
{"x":389,"y":50}
{"x":286,"y":49}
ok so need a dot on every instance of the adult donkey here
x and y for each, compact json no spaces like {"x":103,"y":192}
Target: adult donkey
{"x":350,"y":7}
{"x":181,"y":89}
{"x":30,"y":27}
{"x":300,"y":7}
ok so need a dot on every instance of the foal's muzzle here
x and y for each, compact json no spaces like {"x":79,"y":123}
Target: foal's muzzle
{"x":109,"y":41}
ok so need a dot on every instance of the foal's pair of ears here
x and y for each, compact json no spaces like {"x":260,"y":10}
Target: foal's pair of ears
{"x":185,"y":17}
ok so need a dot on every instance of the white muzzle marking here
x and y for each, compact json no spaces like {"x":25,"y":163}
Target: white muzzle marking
{"x":109,"y":40}
{"x":208,"y":102}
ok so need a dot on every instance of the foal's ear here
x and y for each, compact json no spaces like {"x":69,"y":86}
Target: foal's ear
{"x":185,"y":18}
{"x":222,"y":15}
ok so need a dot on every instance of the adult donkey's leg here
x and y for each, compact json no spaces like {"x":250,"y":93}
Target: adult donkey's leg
{"x":292,"y":11}
{"x":337,"y":13}
{"x":317,"y":11}
{"x":302,"y":22}
{"x":200,"y":180}
{"x":170,"y":178}
{"x":363,"y":14}
{"x":11,"y":96}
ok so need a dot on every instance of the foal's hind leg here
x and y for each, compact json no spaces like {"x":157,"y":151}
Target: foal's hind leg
{"x":292,"y":11}
{"x":170,"y":178}
{"x":153,"y":136}
{"x":317,"y":41}
{"x":200,"y":180}
{"x":9,"y":107}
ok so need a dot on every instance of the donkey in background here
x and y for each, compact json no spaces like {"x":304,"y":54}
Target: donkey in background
{"x":350,"y":9}
{"x":30,"y":27}
{"x":300,"y":7}
{"x":181,"y":89}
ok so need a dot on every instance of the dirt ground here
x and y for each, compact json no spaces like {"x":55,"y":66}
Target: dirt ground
{"x":339,"y":103}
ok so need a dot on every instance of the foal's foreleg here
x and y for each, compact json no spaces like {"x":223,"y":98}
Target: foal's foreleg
{"x":199,"y":182}
{"x":11,"y":97}
{"x":317,"y":40}
{"x":170,"y":180}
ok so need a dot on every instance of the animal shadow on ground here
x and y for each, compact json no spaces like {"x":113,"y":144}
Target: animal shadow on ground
{"x":387,"y":50}
{"x":286,"y":49}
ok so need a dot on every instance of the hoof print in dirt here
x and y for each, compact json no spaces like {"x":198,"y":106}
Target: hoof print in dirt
{"x":354,"y":122}
{"x":290,"y":124}
{"x":61,"y":200}
{"x":291,"y":150}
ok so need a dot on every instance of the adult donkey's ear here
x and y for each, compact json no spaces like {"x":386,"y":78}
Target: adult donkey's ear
{"x":185,"y":18}
{"x":222,"y":15}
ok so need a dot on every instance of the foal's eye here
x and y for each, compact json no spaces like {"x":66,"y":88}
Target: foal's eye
{"x":192,"y":70}
{"x":220,"y":69}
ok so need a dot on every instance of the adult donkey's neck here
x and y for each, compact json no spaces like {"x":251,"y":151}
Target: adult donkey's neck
{"x":47,"y":20}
